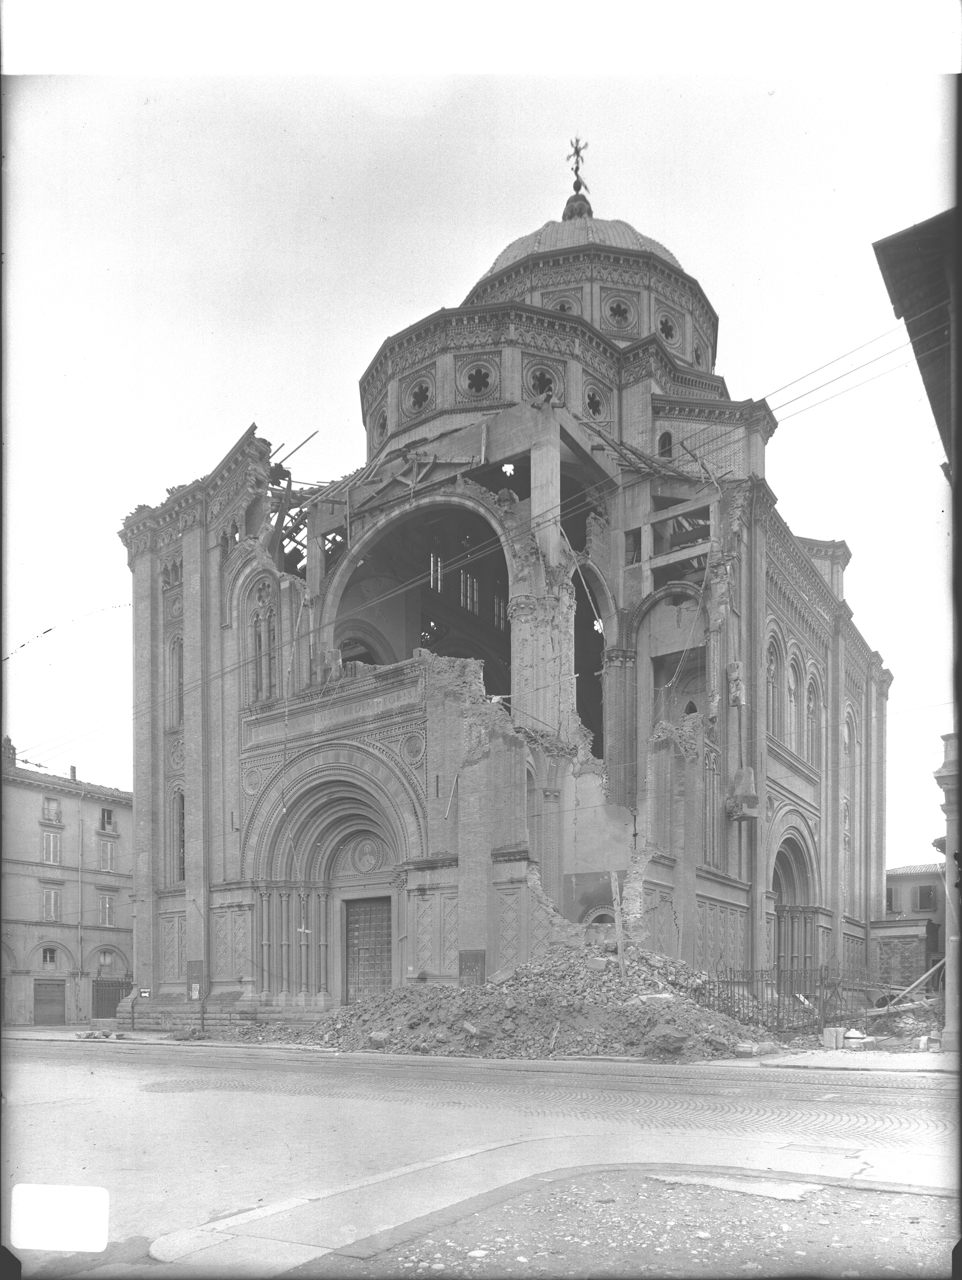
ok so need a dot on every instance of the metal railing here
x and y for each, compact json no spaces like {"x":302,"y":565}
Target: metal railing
{"x":790,"y":999}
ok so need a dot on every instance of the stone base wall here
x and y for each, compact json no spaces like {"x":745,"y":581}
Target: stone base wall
{"x":209,"y":1016}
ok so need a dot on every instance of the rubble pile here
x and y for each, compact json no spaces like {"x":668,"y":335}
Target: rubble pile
{"x":899,"y":1031}
{"x":572,"y":1003}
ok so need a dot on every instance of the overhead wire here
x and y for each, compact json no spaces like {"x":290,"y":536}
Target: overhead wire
{"x":717,"y":446}
{"x":861,"y":347}
{"x":492,"y":546}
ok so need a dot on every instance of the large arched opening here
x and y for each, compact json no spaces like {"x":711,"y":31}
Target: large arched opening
{"x":437,"y":579}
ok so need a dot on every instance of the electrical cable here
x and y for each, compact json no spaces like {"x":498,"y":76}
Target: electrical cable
{"x":903,"y":324}
{"x":585,"y":505}
{"x":865,"y":364}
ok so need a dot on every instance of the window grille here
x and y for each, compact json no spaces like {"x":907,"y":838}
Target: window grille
{"x":51,"y":904}
{"x":106,"y":855}
{"x":51,"y":846}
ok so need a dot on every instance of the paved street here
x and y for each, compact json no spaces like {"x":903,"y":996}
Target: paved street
{"x":319,"y":1152}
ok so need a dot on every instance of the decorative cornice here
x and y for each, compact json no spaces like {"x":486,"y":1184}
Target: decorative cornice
{"x":518,"y":324}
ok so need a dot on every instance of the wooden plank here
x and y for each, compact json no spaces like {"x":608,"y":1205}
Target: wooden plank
{"x":619,"y":932}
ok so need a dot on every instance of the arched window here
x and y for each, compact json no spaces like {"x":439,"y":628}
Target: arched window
{"x":178,"y":838}
{"x":773,"y":680}
{"x":813,"y":726}
{"x":264,"y":683}
{"x":793,"y":726}
{"x":664,"y":445}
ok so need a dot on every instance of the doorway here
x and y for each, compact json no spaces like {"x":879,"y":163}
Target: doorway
{"x":49,"y":1003}
{"x":368,"y":947}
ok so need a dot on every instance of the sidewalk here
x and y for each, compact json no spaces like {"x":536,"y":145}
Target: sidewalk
{"x":810,"y":1059}
{"x":365,"y":1218}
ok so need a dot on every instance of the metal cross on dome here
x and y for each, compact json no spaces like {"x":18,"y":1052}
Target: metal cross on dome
{"x":578,"y":149}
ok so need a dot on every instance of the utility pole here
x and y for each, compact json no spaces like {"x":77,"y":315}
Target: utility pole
{"x":947,"y":776}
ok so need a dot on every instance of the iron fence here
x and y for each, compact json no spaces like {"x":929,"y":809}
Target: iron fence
{"x":790,"y":999}
{"x":107,"y":994}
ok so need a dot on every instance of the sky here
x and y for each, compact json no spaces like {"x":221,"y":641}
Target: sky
{"x":190,"y":253}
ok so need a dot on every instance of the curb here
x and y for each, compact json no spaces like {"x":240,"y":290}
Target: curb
{"x":180,"y":1246}
{"x":756,"y":1061}
{"x":394,"y":1237}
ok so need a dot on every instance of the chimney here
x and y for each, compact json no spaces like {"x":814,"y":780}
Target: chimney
{"x":9,"y":754}
{"x":73,"y":773}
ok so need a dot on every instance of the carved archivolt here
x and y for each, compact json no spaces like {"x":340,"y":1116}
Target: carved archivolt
{"x":324,"y":790}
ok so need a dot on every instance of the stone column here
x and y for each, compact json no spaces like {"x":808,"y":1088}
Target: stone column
{"x":148,"y":817}
{"x":266,"y":944}
{"x":303,"y":933}
{"x":285,"y":898}
{"x":321,"y":929}
{"x":542,"y":661}
{"x":754,"y":715}
{"x":947,"y":777}
{"x":196,"y":779}
{"x":685,"y":880}
{"x":620,"y":728}
{"x":551,"y":868}
{"x":546,"y":491}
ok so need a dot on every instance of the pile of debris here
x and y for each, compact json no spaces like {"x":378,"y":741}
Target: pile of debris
{"x":573,"y":1002}
{"x":899,"y":1030}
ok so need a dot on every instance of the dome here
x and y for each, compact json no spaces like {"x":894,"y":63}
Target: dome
{"x":575,"y":231}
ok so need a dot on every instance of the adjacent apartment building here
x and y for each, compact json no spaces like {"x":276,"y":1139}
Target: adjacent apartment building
{"x":67,"y":931}
{"x":911,"y":938}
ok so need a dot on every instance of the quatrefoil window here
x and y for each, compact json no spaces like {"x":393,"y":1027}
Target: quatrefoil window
{"x":380,"y":430}
{"x":562,"y":306}
{"x":698,"y":356}
{"x":619,"y":314}
{"x":595,"y":403}
{"x":479,"y":380}
{"x":420,"y":395}
{"x":541,"y":382}
{"x":667,"y":329}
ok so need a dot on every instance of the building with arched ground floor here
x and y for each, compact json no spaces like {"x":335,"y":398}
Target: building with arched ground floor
{"x":67,"y":884}
{"x":405,"y":725}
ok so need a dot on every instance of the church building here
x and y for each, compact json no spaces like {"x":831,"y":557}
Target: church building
{"x":394,"y":728}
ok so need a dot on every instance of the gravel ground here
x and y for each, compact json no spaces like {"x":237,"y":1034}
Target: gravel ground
{"x":625,"y":1223}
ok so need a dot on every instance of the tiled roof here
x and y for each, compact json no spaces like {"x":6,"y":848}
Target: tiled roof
{"x":55,"y":782}
{"x":578,"y":231}
{"x":921,"y":869}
